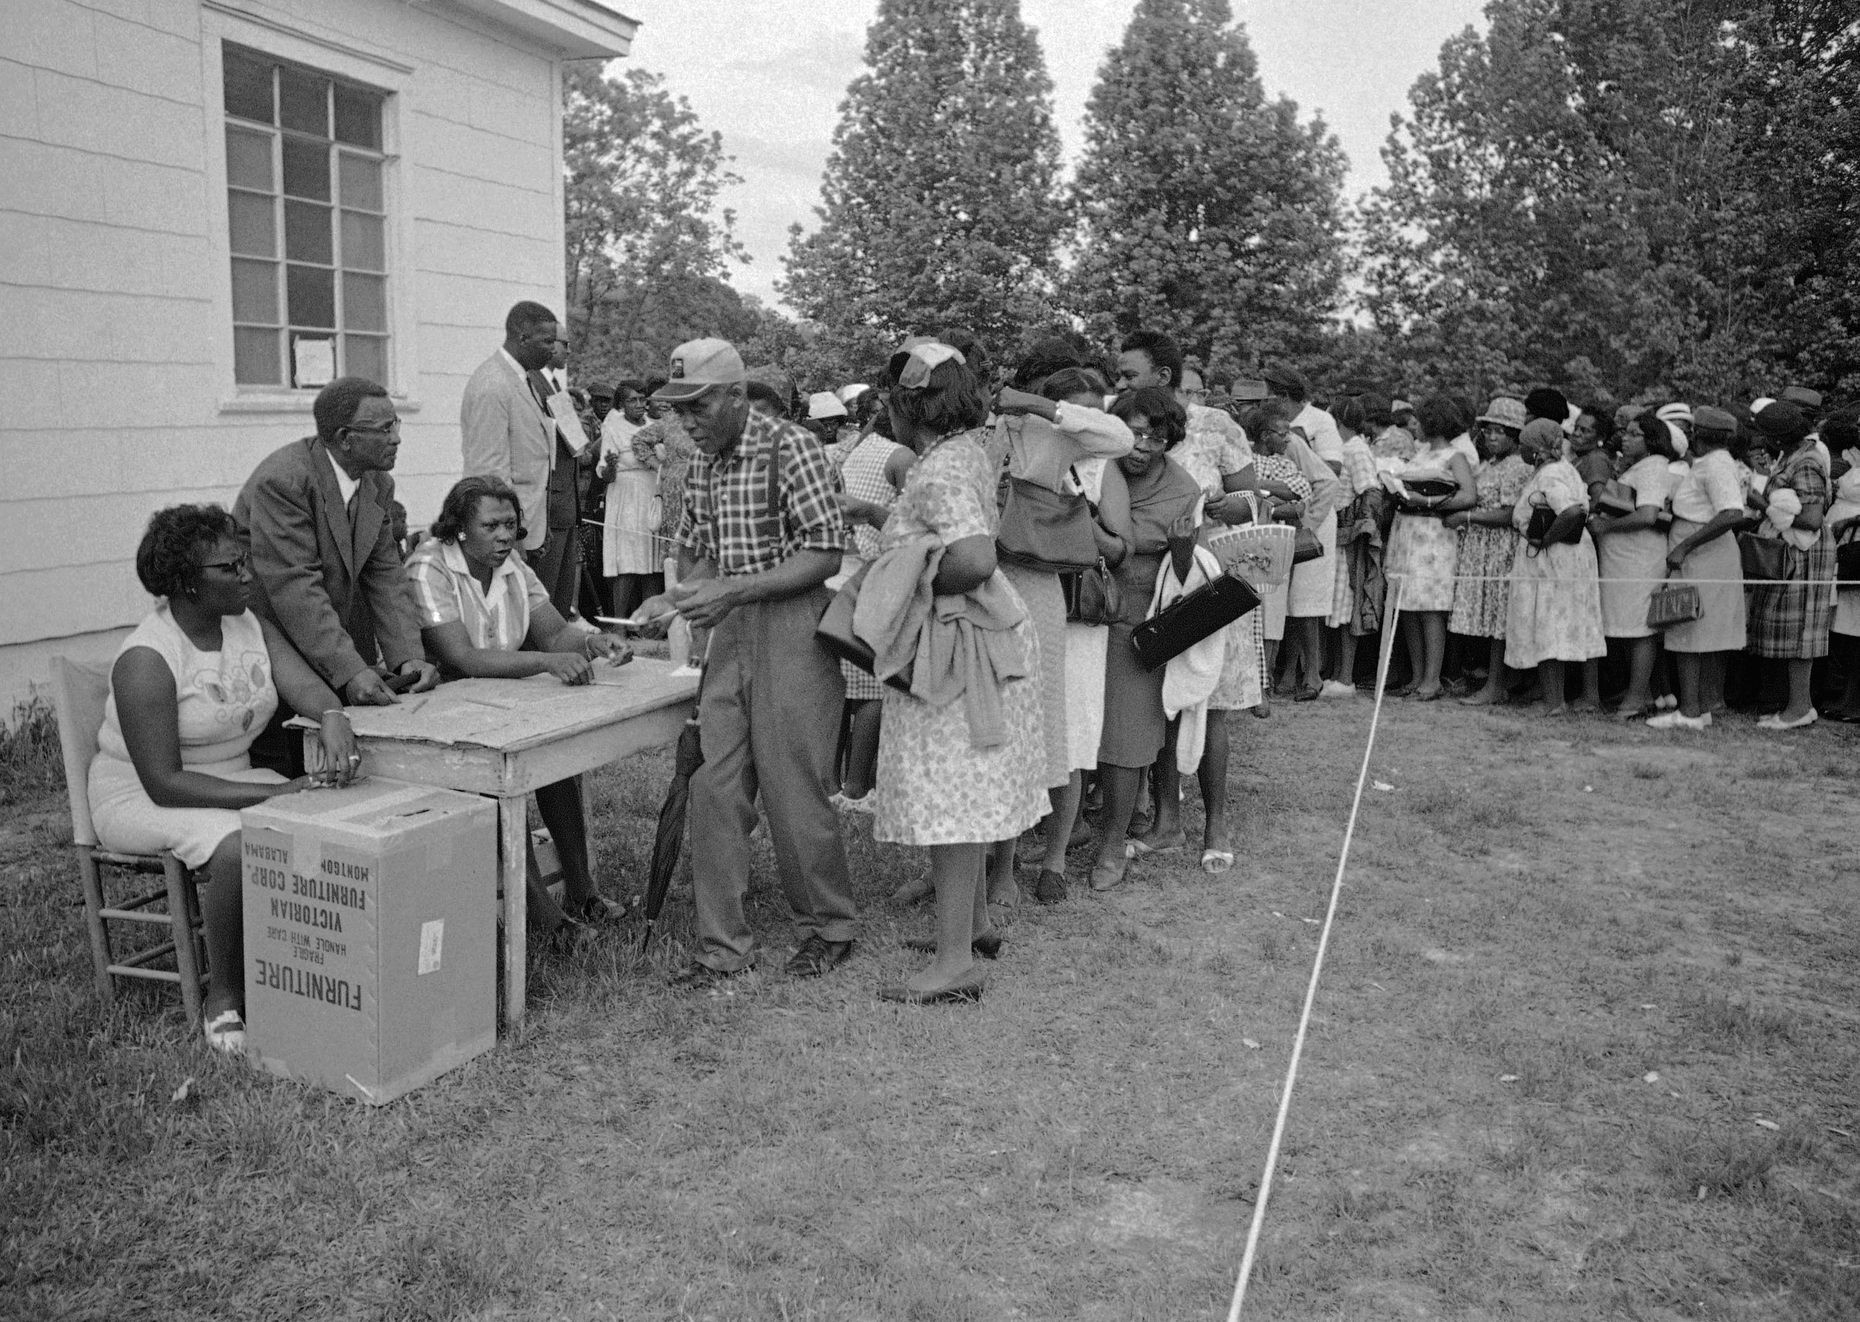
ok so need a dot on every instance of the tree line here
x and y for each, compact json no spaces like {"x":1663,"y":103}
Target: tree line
{"x":1627,"y":198}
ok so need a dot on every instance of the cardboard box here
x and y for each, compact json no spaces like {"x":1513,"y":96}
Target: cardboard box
{"x":370,"y":935}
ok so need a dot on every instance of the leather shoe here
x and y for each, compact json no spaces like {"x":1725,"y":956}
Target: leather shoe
{"x":968,"y":990}
{"x":817,"y":956}
{"x":987,"y":945}
{"x":699,"y":976}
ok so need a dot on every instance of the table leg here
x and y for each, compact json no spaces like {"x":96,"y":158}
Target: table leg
{"x":512,"y":832}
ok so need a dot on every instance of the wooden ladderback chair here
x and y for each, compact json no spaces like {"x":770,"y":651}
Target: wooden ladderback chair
{"x":79,"y":693}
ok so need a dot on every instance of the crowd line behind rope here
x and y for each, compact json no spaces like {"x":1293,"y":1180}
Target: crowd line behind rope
{"x":1390,"y":608}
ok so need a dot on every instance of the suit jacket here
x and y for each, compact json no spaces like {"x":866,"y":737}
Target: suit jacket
{"x":339,"y":594}
{"x":506,"y":434}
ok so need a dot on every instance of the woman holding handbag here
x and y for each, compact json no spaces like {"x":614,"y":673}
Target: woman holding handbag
{"x":1423,"y":552}
{"x":1036,"y":441}
{"x":1489,"y":544}
{"x":1555,"y":611}
{"x":1789,"y":621}
{"x":1630,"y":552}
{"x":1707,"y":503}
{"x":1163,"y":503}
{"x":959,"y":776}
{"x":1091,"y":608}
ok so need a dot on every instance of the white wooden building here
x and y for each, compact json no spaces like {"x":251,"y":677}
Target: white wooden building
{"x":206,"y":207}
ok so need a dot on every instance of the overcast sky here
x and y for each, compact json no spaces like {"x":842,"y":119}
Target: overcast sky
{"x":770,"y":77}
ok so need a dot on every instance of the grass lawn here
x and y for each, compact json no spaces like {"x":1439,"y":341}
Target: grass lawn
{"x":1588,"y":1046}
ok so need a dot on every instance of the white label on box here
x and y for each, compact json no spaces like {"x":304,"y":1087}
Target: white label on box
{"x":432,"y":938}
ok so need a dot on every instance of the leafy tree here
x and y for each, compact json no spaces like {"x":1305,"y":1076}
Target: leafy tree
{"x":1205,"y":210}
{"x":1609,"y":194}
{"x":646,"y":241}
{"x":940,"y":199}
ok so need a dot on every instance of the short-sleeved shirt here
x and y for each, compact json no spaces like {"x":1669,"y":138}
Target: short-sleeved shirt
{"x":1709,"y":487}
{"x":1651,"y":480}
{"x":1560,"y":486}
{"x":1359,"y":466}
{"x":496,"y":618}
{"x":727,"y":519}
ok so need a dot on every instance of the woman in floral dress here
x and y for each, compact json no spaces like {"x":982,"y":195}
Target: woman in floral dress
{"x":1423,"y":552}
{"x":936,"y":786}
{"x":1555,"y":613}
{"x":1488,"y":544}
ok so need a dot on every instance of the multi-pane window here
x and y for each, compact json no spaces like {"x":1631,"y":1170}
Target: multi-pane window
{"x":306,"y":205}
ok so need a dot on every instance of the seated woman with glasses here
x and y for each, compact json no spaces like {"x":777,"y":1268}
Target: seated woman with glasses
{"x":191,"y":688}
{"x":485,"y":615}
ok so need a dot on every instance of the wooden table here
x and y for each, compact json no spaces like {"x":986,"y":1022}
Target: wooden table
{"x":507,"y":737}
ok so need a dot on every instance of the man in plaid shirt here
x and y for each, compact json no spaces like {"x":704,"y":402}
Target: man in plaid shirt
{"x":761,"y":533}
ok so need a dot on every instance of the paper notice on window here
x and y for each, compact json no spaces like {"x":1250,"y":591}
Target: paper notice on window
{"x":313,"y":361}
{"x":567,"y":421}
{"x":432,"y":939}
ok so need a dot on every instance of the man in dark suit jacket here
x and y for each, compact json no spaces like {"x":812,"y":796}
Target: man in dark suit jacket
{"x":324,"y":565}
{"x":507,"y":431}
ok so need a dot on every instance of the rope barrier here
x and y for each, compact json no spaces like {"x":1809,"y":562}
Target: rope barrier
{"x":1390,"y":608}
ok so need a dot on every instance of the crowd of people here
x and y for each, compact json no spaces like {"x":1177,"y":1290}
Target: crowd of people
{"x":918,"y":599}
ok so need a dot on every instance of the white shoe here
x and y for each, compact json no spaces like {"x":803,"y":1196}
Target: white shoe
{"x":1776,"y":722}
{"x":1336,"y":688}
{"x":866,"y":803}
{"x":1674,"y":720}
{"x":226,"y":1033}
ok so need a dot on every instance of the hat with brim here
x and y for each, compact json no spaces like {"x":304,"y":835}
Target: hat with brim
{"x":849,"y":393}
{"x":824,"y":404}
{"x":1505,"y":412}
{"x":1288,"y":379}
{"x":1250,"y":390}
{"x":1802,"y":397}
{"x":1676,"y":412}
{"x":696,"y":366}
{"x":1707,"y":418}
{"x":1782,"y":421}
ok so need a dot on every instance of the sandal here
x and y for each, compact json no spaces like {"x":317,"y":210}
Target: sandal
{"x":1134,"y":848}
{"x":1216,"y":861}
{"x":226,"y":1033}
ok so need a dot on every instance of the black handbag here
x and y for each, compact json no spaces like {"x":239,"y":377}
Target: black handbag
{"x":1541,"y":521}
{"x":1092,"y":595}
{"x":1191,"y":618}
{"x":835,"y":633}
{"x":1307,"y":547}
{"x":1764,"y":558}
{"x":1847,"y":560}
{"x":1046,"y":530}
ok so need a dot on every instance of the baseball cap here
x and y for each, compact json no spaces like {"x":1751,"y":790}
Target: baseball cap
{"x":697,"y":365}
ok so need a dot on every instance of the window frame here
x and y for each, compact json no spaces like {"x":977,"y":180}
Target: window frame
{"x":344,"y":63}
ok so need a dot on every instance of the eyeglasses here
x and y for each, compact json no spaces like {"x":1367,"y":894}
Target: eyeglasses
{"x":239,"y":565}
{"x":391,"y":426}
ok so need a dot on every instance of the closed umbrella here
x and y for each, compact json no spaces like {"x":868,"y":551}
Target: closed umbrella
{"x":670,"y":837}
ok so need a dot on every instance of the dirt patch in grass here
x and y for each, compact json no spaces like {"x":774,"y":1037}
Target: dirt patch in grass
{"x":1586,"y":1048}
